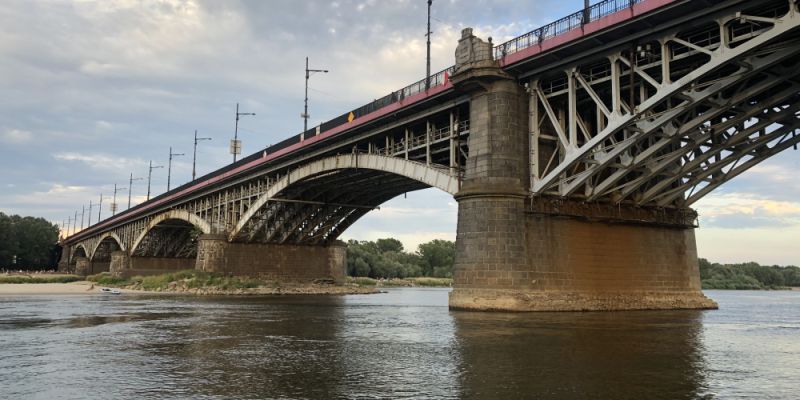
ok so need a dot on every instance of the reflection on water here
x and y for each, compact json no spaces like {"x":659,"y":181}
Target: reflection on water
{"x":402,"y":344}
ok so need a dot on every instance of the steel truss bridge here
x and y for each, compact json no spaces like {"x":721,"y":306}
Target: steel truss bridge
{"x":650,"y":104}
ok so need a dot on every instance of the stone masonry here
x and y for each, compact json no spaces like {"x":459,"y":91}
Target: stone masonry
{"x":517,"y":253}
{"x":286,"y":263}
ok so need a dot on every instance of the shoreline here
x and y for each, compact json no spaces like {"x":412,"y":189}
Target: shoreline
{"x":92,"y":288}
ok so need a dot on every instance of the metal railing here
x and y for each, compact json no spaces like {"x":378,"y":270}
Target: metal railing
{"x":563,"y":25}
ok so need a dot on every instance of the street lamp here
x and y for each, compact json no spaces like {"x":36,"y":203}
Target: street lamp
{"x":169,"y":168}
{"x":150,"y":176}
{"x":114,"y":201}
{"x":309,"y":72}
{"x":130,"y":187}
{"x":89,"y":214}
{"x":236,"y":146}
{"x":100,"y":208}
{"x":428,"y":59}
{"x":194,"y":155}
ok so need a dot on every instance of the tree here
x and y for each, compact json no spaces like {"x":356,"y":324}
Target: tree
{"x":389,"y":244}
{"x":438,"y":257}
{"x":26,"y":242}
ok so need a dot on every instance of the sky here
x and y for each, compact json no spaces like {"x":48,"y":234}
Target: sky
{"x":92,"y":91}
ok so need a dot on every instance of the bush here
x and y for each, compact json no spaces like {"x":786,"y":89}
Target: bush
{"x":39,"y":279}
{"x":105,"y":278}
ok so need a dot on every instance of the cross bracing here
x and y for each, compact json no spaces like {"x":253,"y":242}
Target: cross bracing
{"x":664,"y":121}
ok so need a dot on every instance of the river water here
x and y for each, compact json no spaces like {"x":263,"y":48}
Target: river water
{"x":400,"y":344}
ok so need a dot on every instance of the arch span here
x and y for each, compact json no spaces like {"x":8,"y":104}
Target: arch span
{"x":435,"y":177}
{"x":74,"y":252}
{"x":167,"y":215}
{"x":103,"y":237}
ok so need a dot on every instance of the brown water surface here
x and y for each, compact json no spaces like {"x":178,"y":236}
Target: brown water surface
{"x":402,"y":344}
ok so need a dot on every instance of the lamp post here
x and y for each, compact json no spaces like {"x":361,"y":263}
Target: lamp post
{"x":114,"y":201}
{"x":83,"y":210}
{"x":100,"y":208}
{"x":236,"y":146}
{"x":309,"y":72}
{"x":89,"y":214}
{"x":130,"y":187}
{"x":428,"y":59}
{"x":75,"y":223}
{"x":194,"y":154}
{"x":150,"y":176}
{"x":169,"y":168}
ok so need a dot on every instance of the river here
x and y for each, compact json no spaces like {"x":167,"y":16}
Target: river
{"x":400,"y":344}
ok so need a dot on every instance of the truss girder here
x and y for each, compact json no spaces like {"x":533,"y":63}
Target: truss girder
{"x":649,"y":113}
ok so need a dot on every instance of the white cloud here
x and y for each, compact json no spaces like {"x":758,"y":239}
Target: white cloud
{"x":16,"y":136}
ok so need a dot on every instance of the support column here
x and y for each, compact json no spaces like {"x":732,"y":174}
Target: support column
{"x":83,"y":266}
{"x":282,"y":262}
{"x":120,"y":262}
{"x":490,"y":241}
{"x":63,"y":262}
{"x":518,"y":253}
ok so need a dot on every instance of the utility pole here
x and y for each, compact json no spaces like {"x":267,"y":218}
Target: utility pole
{"x":586,"y":12}
{"x":83,"y":210}
{"x":236,"y":145}
{"x":428,"y":59}
{"x":89,"y":214}
{"x":69,"y":220}
{"x":150,"y":176}
{"x":130,"y":188}
{"x":75,"y":224}
{"x":194,"y":155}
{"x":99,"y":208}
{"x":169,"y":168}
{"x":305,"y":115}
{"x":114,"y":201}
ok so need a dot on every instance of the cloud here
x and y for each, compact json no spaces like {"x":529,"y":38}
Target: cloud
{"x":747,"y":210}
{"x":16,"y":136}
{"x":102,"y":161}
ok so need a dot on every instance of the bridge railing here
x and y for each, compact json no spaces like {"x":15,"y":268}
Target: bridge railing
{"x":563,"y":25}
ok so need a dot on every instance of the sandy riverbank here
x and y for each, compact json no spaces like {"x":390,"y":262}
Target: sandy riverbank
{"x":90,"y":288}
{"x":81,"y":287}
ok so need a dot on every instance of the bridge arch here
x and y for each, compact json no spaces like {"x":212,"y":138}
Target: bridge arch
{"x":78,"y":251}
{"x":180,"y":215}
{"x":438,"y":177}
{"x":108,"y":235}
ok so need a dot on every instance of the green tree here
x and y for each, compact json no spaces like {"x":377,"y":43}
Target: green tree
{"x":27,"y":240}
{"x":437,"y":258}
{"x":389,"y":244}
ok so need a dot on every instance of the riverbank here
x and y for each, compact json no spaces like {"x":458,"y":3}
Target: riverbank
{"x":79,"y":287}
{"x":199,"y":283}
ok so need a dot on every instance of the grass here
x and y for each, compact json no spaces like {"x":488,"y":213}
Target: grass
{"x":189,"y":279}
{"x":39,"y":278}
{"x":105,"y":278}
{"x":399,"y":282}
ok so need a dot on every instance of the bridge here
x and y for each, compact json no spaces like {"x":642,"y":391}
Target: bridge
{"x":574,"y":151}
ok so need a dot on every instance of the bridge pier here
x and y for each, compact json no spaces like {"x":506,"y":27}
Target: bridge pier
{"x":280,"y":262}
{"x":517,"y":253}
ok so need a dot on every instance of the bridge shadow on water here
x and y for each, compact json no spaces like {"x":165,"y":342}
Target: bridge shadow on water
{"x":603,"y":355}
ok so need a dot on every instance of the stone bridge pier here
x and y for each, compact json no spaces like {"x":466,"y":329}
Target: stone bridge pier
{"x":280,"y":262}
{"x":515,"y":252}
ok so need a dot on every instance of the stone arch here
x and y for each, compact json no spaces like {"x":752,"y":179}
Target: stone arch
{"x":181,"y":215}
{"x":432,"y":176}
{"x":103,"y":237}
